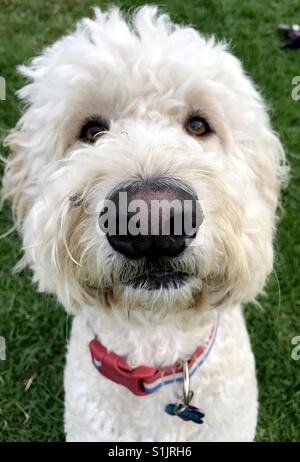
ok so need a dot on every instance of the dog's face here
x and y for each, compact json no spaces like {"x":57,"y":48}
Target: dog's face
{"x":157,"y":112}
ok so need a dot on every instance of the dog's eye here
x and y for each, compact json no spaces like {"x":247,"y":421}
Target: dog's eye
{"x":197,"y":126}
{"x":92,"y":130}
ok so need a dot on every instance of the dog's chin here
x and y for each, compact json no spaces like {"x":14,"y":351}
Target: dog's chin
{"x":156,"y":280}
{"x":158,"y":292}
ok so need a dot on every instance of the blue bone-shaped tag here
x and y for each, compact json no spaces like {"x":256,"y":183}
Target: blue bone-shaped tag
{"x":186,"y":412}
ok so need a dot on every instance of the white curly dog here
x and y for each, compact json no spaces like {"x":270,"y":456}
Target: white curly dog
{"x":159,"y":350}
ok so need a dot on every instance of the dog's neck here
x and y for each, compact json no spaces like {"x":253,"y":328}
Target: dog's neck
{"x":142,"y":340}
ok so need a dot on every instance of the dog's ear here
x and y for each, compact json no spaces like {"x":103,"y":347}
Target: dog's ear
{"x":269,"y":164}
{"x":16,"y":183}
{"x":24,"y":161}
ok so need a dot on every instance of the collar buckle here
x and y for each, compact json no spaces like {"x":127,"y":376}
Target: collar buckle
{"x":115,"y":368}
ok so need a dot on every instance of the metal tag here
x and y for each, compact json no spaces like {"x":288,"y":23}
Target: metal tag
{"x":182,"y":408}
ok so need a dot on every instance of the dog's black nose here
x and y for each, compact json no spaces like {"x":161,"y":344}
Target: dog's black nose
{"x":151,"y":218}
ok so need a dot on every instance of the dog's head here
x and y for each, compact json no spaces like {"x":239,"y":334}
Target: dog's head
{"x":147,"y":111}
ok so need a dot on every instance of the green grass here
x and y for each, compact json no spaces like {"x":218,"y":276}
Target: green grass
{"x":35,"y":327}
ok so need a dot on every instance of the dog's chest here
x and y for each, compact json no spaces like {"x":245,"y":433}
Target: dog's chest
{"x":98,"y":409}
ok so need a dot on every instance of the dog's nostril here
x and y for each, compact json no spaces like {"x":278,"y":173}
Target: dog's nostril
{"x":152,"y":218}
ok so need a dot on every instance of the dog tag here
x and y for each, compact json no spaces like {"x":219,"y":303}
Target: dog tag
{"x":182,"y":408}
{"x":185,"y":412}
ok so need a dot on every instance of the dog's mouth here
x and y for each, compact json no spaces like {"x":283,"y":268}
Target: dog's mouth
{"x":148,"y":275}
{"x":160,"y":279}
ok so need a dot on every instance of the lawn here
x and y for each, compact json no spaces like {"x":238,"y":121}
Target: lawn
{"x":36,"y":328}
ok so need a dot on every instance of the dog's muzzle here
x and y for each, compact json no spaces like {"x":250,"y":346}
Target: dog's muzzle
{"x":151,"y":219}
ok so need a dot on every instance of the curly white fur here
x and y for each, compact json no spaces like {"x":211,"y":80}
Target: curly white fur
{"x":144,"y":76}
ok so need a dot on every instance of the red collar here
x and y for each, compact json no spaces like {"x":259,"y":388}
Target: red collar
{"x":144,"y":380}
